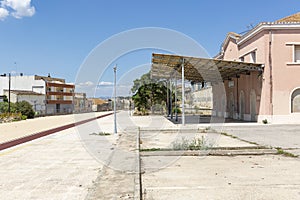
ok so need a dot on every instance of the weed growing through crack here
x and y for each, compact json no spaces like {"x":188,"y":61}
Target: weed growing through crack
{"x":208,"y":130}
{"x":194,"y":144}
{"x":285,"y":153}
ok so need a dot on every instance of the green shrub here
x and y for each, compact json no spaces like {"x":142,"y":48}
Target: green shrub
{"x":176,"y":109}
{"x":265,"y":121}
{"x":25,"y":108}
{"x":4,"y":107}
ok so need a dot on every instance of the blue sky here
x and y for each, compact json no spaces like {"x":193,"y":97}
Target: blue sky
{"x":55,"y":36}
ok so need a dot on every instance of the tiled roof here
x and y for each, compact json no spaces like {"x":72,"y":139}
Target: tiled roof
{"x":291,"y":18}
{"x":98,"y":101}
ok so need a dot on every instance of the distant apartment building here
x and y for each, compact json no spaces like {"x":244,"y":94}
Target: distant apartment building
{"x":58,"y":95}
{"x":81,"y":103}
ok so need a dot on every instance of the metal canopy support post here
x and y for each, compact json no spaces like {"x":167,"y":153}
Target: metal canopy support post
{"x":171,"y":100}
{"x":182,"y":88}
{"x":9,"y":84}
{"x":115,"y":99}
{"x":168,"y":100}
{"x":176,"y":113}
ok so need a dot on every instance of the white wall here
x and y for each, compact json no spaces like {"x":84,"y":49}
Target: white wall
{"x":37,"y":101}
{"x":22,"y":83}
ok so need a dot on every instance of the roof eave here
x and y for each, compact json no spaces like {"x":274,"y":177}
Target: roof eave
{"x":271,"y":26}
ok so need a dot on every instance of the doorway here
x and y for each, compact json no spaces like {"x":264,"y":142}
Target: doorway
{"x":57,"y":108}
{"x":242,"y":105}
{"x":231,"y":105}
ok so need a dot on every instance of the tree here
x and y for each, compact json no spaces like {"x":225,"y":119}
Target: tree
{"x":25,"y":108}
{"x":137,"y":83}
{"x":148,"y":95}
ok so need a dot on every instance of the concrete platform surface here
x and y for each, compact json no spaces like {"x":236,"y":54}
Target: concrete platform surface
{"x":57,"y":166}
{"x":80,"y":163}
{"x":14,"y":130}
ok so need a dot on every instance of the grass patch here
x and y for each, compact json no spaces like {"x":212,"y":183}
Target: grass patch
{"x":101,"y":134}
{"x":280,"y":151}
{"x":152,"y":149}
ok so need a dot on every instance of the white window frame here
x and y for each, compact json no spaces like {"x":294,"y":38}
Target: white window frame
{"x":295,"y":47}
{"x":253,"y":56}
{"x":293,"y":61}
{"x":249,"y":53}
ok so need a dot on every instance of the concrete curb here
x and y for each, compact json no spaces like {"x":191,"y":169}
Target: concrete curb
{"x":237,"y":152}
{"x":34,"y":136}
{"x":138,"y":193}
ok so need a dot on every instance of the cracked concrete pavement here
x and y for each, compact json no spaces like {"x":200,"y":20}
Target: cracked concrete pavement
{"x":79,"y":164}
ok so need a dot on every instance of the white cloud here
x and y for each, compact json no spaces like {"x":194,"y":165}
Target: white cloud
{"x":18,"y":8}
{"x":3,"y":13}
{"x":104,"y":83}
{"x":85,"y":84}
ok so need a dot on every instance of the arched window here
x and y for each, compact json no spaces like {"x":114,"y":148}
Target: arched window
{"x":296,"y":101}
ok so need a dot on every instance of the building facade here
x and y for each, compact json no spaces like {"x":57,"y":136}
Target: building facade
{"x":34,"y":98}
{"x":81,"y":103}
{"x":274,"y":94}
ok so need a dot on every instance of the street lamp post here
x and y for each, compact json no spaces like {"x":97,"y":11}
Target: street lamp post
{"x":115,"y":99}
{"x":9,"y":80}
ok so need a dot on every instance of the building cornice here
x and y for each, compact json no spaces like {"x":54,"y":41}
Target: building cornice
{"x":268,"y":26}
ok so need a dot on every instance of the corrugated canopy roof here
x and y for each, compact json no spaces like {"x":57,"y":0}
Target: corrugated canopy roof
{"x":199,"y":69}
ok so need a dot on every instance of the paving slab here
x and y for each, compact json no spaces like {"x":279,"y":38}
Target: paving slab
{"x":167,"y":139}
{"x":120,"y":178}
{"x":54,"y":167}
{"x":284,"y":136}
{"x":236,"y":178}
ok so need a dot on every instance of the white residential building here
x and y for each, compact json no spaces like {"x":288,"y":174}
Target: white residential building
{"x":58,"y":96}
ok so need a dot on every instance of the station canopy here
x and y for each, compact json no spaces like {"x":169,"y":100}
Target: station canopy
{"x":166,"y":66}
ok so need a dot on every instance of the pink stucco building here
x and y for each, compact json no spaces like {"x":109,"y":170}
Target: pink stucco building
{"x":273,"y":94}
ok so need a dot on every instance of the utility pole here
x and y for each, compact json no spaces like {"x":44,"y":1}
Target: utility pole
{"x":115,"y":99}
{"x":9,"y":80}
{"x":183,"y":92}
{"x":9,"y":85}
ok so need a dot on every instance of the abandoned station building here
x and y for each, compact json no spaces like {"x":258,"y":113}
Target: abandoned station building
{"x":260,"y":72}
